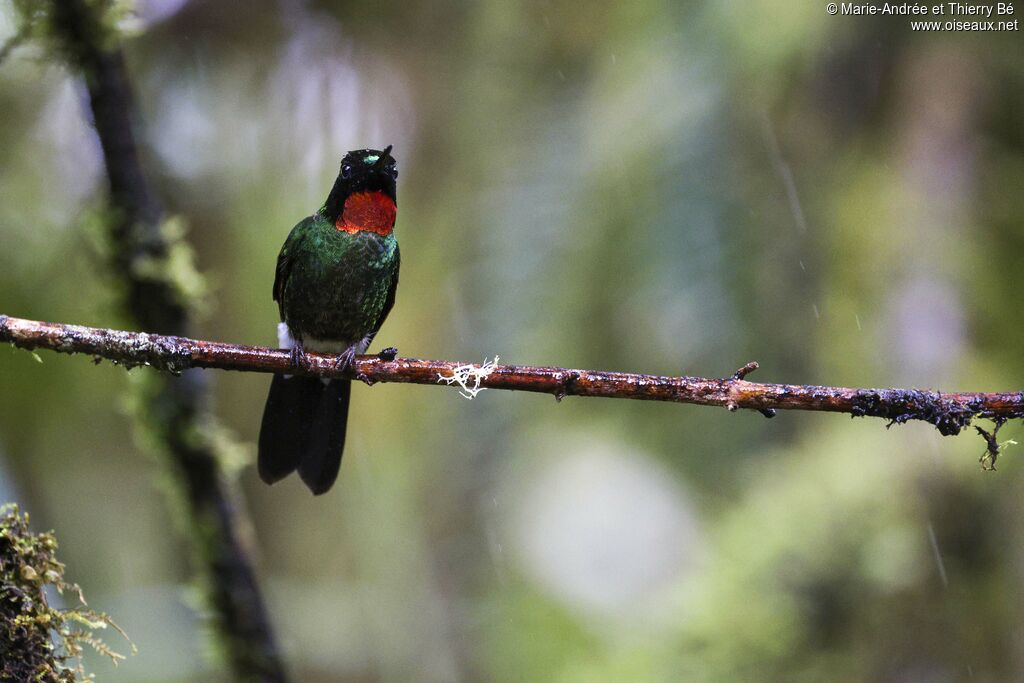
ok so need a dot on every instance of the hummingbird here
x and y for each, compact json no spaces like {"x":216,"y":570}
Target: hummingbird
{"x":336,"y":278}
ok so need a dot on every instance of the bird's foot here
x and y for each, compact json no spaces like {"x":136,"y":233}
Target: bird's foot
{"x":345,"y":359}
{"x":388,"y":354}
{"x":299,"y":358}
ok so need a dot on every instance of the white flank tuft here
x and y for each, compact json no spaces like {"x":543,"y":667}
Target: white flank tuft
{"x":284,"y":336}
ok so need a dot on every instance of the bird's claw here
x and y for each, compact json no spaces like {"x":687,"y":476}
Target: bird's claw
{"x":299,"y":358}
{"x":345,"y":359}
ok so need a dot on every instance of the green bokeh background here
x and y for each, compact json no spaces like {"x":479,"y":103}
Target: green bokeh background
{"x":665,"y":187}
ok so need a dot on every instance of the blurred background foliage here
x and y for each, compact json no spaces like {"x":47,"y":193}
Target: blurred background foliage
{"x":667,"y":187}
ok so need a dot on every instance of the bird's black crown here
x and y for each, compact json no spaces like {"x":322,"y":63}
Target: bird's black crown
{"x":363,"y":170}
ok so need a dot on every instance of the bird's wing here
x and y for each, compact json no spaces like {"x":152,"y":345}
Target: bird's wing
{"x":392,"y":289}
{"x":284,"y":260}
{"x":388,"y":303}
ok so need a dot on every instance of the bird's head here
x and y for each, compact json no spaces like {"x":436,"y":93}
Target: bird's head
{"x":363,"y":196}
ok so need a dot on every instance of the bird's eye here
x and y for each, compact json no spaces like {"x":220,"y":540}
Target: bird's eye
{"x":394,"y":173}
{"x":346,"y":171}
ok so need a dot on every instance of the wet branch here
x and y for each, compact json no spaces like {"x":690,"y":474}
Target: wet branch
{"x":948,"y":412}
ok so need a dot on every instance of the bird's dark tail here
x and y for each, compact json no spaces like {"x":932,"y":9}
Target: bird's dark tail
{"x":304,"y":428}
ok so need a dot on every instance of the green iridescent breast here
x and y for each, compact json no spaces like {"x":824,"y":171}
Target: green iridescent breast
{"x":338,"y":284}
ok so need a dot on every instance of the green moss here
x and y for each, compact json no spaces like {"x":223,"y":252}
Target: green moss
{"x":39,"y":642}
{"x":35,"y":22}
{"x":175,"y":268}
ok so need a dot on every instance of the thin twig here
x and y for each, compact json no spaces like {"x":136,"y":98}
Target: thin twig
{"x":949,"y":412}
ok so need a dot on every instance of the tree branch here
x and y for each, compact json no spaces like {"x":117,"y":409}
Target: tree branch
{"x":949,"y":412}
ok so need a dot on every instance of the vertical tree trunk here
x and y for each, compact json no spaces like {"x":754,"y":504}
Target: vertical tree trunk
{"x":176,"y":410}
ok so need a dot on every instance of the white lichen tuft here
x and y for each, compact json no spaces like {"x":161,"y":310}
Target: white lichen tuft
{"x":464,"y":374}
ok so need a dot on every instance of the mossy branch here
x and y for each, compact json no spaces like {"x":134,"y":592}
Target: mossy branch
{"x":948,"y":412}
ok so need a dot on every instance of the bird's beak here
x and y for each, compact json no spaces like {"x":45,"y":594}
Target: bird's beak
{"x":382,"y":161}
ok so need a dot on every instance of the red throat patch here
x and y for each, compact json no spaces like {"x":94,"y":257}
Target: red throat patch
{"x":367,"y":211}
